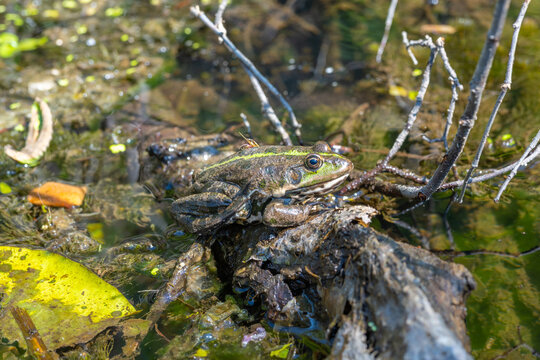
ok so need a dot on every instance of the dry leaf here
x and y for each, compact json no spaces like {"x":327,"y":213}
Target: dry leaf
{"x":36,"y":141}
{"x":437,"y":29}
{"x":57,"y":195}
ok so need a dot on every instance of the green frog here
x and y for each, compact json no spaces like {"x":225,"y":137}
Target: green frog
{"x":261,"y":183}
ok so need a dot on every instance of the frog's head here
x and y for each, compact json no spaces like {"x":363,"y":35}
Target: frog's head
{"x":317,"y":172}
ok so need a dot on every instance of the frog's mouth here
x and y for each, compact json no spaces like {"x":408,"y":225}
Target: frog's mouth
{"x":317,"y":189}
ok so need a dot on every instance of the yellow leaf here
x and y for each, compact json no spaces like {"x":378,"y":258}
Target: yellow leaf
{"x":67,"y":302}
{"x":282,"y":352}
{"x":412,"y":95}
{"x":117,"y":148}
{"x":4,"y":188}
{"x":201,"y":353}
{"x":397,"y":91}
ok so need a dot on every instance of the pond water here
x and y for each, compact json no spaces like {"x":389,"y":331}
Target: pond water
{"x":107,"y":68}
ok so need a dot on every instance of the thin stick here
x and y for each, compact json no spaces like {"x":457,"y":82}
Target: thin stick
{"x":408,"y":47}
{"x":468,"y":119}
{"x":532,"y":145}
{"x":196,"y":11}
{"x":267,"y":110}
{"x":397,"y":190}
{"x":246,"y":124}
{"x":419,"y":98}
{"x":455,"y":85}
{"x":504,"y":89}
{"x":219,"y":18}
{"x":387,"y":26}
{"x":34,"y":342}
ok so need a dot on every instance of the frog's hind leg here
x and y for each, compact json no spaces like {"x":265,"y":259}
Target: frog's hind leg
{"x":198,"y":212}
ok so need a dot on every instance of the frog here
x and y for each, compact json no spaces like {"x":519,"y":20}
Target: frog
{"x":269,"y":184}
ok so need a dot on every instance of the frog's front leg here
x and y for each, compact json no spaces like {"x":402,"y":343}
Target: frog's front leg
{"x":279,"y":214}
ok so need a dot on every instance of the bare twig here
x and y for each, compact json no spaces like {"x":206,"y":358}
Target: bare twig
{"x":423,"y":240}
{"x":456,"y":85}
{"x":387,"y":26}
{"x":218,"y":21}
{"x":446,"y":223}
{"x":267,"y":109}
{"x":246,"y":124}
{"x":398,"y":190}
{"x":34,"y":342}
{"x":468,"y":118}
{"x":405,"y":174}
{"x":504,"y":89}
{"x":427,"y":42}
{"x":454,"y":254}
{"x":408,"y":47}
{"x":196,"y":11}
{"x":521,"y":161}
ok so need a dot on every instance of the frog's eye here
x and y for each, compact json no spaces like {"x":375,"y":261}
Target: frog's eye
{"x":313,"y":161}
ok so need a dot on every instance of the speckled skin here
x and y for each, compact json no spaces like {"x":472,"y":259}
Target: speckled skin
{"x":259,"y":184}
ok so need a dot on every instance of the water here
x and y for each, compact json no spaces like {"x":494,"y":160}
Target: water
{"x":105,"y":67}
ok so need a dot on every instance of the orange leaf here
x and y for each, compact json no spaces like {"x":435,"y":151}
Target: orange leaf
{"x":57,"y":195}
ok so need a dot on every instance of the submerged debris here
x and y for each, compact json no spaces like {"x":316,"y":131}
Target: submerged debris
{"x":40,"y":132}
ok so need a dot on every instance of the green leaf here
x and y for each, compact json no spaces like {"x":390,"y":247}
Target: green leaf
{"x":114,"y":11}
{"x":67,"y":302}
{"x":32,"y":43}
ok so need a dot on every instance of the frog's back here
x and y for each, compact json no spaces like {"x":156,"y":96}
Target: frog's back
{"x":245,"y":164}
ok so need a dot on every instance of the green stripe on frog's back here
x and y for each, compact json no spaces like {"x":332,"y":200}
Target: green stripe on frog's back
{"x":269,"y":153}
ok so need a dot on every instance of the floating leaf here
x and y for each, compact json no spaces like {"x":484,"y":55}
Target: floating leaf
{"x":412,"y":95}
{"x":282,"y":352}
{"x":32,"y":43}
{"x":96,"y":231}
{"x":117,"y":148}
{"x":10,"y":44}
{"x":201,"y":353}
{"x":397,"y":91}
{"x":51,"y":13}
{"x":4,"y":188}
{"x":39,"y":136}
{"x":57,"y":195}
{"x":14,"y":106}
{"x":67,"y":302}
{"x":114,"y":11}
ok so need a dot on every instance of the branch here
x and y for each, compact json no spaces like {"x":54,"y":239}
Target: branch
{"x":196,"y":11}
{"x":468,"y":118}
{"x":246,"y":124}
{"x":456,"y":85}
{"x":267,"y":109}
{"x":407,"y":191}
{"x":427,"y":42}
{"x":521,"y":162}
{"x":387,"y":26}
{"x":504,"y":89}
